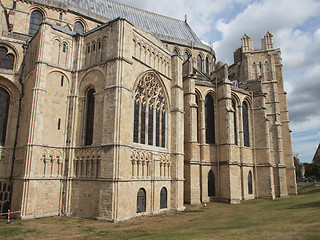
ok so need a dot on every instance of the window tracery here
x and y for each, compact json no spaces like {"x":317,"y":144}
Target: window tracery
{"x":149,"y":112}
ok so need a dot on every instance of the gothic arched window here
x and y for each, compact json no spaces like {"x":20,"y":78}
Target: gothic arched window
{"x":35,"y":22}
{"x":175,"y":52}
{"x":141,"y":200}
{"x":6,"y":59}
{"x":209,"y":112}
{"x":163,"y":198}
{"x":207,"y":65}
{"x":211,"y":184}
{"x":149,"y":112}
{"x":250,"y":188}
{"x":90,"y":102}
{"x":4,"y":109}
{"x":198,"y":118}
{"x":245,"y":119}
{"x":235,"y":122}
{"x":199,"y":62}
{"x":185,"y":57}
{"x":78,"y":27}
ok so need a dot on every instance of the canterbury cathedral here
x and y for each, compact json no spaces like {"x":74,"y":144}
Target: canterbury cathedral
{"x":110,"y":112}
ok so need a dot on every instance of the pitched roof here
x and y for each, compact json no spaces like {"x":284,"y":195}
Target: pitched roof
{"x":316,"y":157}
{"x":165,"y":28}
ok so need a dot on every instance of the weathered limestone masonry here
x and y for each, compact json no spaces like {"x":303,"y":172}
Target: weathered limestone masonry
{"x":110,"y":112}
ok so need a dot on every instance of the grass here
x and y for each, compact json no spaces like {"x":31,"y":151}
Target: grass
{"x":297,"y":217}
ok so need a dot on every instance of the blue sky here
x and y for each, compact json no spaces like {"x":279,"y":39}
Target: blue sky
{"x":295,"y":25}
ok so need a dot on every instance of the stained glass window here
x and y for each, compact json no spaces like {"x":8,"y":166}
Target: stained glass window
{"x":163,"y":198}
{"x":35,"y":22}
{"x":209,"y":113}
{"x":4,"y":109}
{"x":90,"y":117}
{"x":141,"y":201}
{"x":78,"y":27}
{"x":199,"y":62}
{"x":211,"y":184}
{"x":245,"y":118}
{"x":6,"y":59}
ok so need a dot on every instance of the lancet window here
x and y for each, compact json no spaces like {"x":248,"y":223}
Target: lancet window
{"x":211,"y":184}
{"x":250,"y":188}
{"x":4,"y":109}
{"x":163,"y":198}
{"x":207,"y":65}
{"x":35,"y":22}
{"x":90,"y":102}
{"x":209,"y":111}
{"x":199,"y":62}
{"x":150,"y":112}
{"x":245,"y":119}
{"x":235,"y":122}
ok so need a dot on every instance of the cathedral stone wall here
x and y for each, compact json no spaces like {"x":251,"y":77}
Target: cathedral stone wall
{"x":108,"y":120}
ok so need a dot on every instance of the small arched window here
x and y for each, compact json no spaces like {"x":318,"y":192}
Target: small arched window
{"x":175,"y":52}
{"x":185,"y":57}
{"x":90,"y":102}
{"x":250,"y":188}
{"x":78,"y":27}
{"x":211,"y":184}
{"x":235,"y":131}
{"x":141,"y":200}
{"x":6,"y":59}
{"x":209,"y":113}
{"x":35,"y":22}
{"x":207,"y":65}
{"x":245,"y":119}
{"x":4,"y":110}
{"x":163,"y":198}
{"x":199,"y":62}
{"x":64,"y":47}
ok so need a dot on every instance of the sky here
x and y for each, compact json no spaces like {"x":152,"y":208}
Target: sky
{"x":295,"y":25}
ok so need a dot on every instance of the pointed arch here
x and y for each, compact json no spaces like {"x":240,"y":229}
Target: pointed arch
{"x":90,"y":104}
{"x":234,"y":118}
{"x":199,"y":62}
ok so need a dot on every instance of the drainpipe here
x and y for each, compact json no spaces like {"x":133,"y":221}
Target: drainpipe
{"x":25,"y":47}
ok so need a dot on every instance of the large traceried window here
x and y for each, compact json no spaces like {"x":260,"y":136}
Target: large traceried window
{"x":90,"y":102}
{"x":6,"y":59}
{"x":4,"y":109}
{"x":35,"y":21}
{"x":150,"y":112}
{"x":199,"y":62}
{"x":209,"y":112}
{"x":245,"y":119}
{"x":235,"y":122}
{"x":78,"y":27}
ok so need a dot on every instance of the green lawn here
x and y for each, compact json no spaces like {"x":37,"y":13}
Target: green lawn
{"x":297,"y":217}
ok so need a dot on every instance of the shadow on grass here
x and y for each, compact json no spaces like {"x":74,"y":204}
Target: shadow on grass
{"x":306,"y":205}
